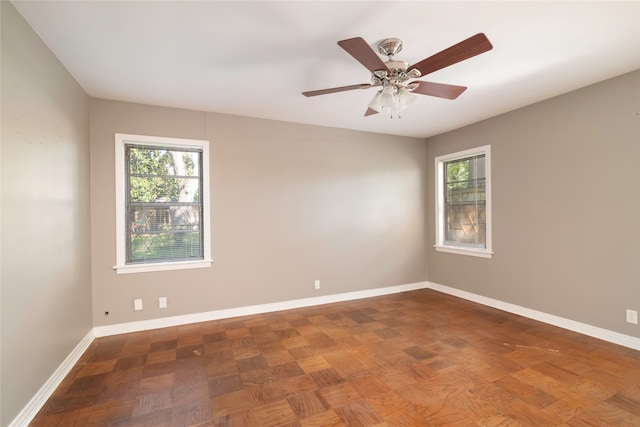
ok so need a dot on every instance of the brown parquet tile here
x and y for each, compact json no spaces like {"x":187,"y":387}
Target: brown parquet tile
{"x":419,"y":358}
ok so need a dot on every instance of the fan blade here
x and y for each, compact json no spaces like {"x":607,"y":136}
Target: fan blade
{"x":362,"y":52}
{"x":369,"y":112}
{"x":337,"y":89}
{"x":439,"y":89}
{"x":466,"y":49}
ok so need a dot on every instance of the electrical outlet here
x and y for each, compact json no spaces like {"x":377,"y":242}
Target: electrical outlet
{"x":632,"y":316}
{"x":162,"y":302}
{"x":317,"y":284}
{"x":137,"y":304}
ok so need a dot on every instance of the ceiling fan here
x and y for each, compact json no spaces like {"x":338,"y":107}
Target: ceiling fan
{"x":393,"y":76}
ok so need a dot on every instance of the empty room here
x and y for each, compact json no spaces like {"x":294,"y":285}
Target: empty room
{"x":320,"y":213}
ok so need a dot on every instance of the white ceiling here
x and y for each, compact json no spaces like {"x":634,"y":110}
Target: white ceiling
{"x":255,"y":58}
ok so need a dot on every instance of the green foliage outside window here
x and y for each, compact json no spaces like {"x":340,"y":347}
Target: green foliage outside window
{"x":153,"y":174}
{"x":458,"y":173}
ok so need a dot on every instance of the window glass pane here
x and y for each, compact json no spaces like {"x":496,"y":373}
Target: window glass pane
{"x":464,"y":202}
{"x":164,"y":208}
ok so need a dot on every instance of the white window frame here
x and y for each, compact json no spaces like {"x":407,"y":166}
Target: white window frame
{"x":440,"y":244}
{"x":121,"y":266}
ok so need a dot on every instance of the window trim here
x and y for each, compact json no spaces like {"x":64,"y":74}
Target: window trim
{"x":121,"y":266}
{"x":440,"y":245}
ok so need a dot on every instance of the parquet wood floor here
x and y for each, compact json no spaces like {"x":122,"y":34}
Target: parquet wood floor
{"x":418,"y":358}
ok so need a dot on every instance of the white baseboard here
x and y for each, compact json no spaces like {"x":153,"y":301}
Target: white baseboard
{"x":582,"y":328}
{"x":36,"y":403}
{"x":122,"y":328}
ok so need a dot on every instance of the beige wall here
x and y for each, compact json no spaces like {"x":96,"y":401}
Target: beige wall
{"x":290,"y":204}
{"x":566,"y":206}
{"x":45,"y":279}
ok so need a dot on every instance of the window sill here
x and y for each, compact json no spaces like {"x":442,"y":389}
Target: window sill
{"x":482,"y":253}
{"x":161,"y":266}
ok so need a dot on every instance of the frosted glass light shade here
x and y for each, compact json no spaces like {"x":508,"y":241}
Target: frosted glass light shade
{"x":405,"y":98}
{"x":375,"y":104}
{"x":387,"y":97}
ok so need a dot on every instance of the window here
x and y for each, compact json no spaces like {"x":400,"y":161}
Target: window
{"x":463,"y":202}
{"x":162,"y":203}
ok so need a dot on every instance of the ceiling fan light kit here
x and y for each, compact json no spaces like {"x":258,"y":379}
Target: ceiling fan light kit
{"x":393,"y":99}
{"x":397,"y":92}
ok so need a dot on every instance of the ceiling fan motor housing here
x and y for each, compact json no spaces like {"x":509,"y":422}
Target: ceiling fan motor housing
{"x":396,"y":73}
{"x":397,"y":70}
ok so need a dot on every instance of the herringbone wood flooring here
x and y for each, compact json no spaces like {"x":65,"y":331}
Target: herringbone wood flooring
{"x":419,"y":358}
